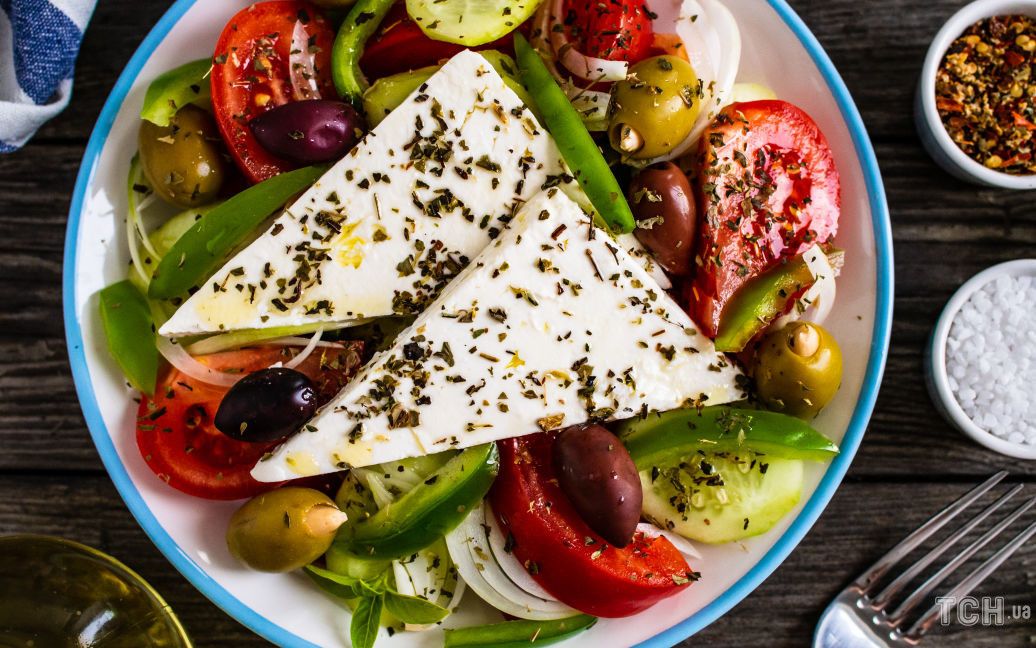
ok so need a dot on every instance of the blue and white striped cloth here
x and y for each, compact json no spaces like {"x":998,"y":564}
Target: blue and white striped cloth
{"x":39,"y":42}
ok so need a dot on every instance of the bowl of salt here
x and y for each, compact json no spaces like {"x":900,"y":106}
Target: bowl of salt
{"x":981,"y":364}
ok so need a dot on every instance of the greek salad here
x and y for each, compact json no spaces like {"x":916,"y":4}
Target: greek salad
{"x":511,"y":299}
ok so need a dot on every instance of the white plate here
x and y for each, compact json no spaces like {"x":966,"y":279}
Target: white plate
{"x":286,"y":609}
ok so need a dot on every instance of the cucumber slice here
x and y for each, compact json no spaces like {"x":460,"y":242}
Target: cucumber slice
{"x":717,"y":498}
{"x":470,"y":22}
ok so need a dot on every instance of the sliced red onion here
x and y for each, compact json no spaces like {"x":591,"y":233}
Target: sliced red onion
{"x":540,"y":40}
{"x":585,"y":67}
{"x":302,"y":65}
{"x":179,"y":358}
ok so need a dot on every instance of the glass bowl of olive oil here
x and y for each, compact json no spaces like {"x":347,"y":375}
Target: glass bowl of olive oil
{"x":58,"y":593}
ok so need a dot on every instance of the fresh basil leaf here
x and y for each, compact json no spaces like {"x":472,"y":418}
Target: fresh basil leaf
{"x":414,"y":609}
{"x":363,"y":631}
{"x":374,"y":587}
{"x":335,"y":584}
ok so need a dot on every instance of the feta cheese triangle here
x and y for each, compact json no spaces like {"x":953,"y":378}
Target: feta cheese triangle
{"x":552,"y":325}
{"x":391,"y":223}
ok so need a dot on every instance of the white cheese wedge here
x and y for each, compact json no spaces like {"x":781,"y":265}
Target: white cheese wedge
{"x":552,"y":325}
{"x":391,"y":223}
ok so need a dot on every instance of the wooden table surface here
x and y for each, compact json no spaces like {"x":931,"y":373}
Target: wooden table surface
{"x":910,"y":464}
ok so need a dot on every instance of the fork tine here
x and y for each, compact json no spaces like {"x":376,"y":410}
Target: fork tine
{"x":973,"y":580}
{"x":937,"y":578}
{"x":901,"y":581}
{"x":868,"y":578}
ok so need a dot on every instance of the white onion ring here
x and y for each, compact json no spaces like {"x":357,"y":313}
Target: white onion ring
{"x":592,"y":106}
{"x":301,"y":357}
{"x":179,"y":358}
{"x":297,"y":341}
{"x":508,"y":563}
{"x":817,"y":302}
{"x":729,"y":37}
{"x":682,"y":544}
{"x":302,"y":65}
{"x":418,"y":576}
{"x":713,"y":45}
{"x":585,"y":67}
{"x":473,"y":557}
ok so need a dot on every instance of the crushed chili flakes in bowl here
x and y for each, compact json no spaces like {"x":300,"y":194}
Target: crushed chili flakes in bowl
{"x":985,"y":91}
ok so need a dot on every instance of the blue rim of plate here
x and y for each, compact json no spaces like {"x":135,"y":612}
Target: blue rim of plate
{"x":732,"y":596}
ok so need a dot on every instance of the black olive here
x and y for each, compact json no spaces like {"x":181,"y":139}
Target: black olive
{"x":600,"y":479}
{"x":667,"y":217}
{"x":267,"y":405}
{"x":316,"y":130}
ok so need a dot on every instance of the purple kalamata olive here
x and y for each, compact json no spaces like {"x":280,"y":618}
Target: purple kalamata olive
{"x":267,"y":405}
{"x":667,"y":218}
{"x":308,"y":132}
{"x":597,"y":474}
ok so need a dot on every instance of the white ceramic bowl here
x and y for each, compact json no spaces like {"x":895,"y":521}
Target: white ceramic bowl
{"x":287,"y":609}
{"x":929,"y":124}
{"x":937,"y":377}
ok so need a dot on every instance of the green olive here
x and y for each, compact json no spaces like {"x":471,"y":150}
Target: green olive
{"x":654,"y":108}
{"x":798,"y":369}
{"x":284,"y":529}
{"x":182,"y":161}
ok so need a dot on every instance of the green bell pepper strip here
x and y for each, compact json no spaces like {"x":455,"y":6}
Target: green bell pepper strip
{"x":359,"y":25}
{"x":387,"y":93}
{"x":517,"y":634}
{"x":201,"y":250}
{"x":431,"y":510}
{"x":576,"y":145}
{"x":175,"y":89}
{"x":671,"y":436}
{"x":759,"y":302}
{"x":129,"y":329}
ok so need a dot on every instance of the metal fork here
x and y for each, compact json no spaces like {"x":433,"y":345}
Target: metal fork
{"x":860,"y":617}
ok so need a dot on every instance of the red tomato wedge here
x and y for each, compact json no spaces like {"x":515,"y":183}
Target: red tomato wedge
{"x":768,"y":190}
{"x":181,"y":445}
{"x":252,"y":72}
{"x":561,"y":552}
{"x":399,"y":45}
{"x":615,"y":31}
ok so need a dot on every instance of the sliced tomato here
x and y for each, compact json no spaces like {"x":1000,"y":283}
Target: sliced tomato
{"x":181,"y":445}
{"x":613,"y":30}
{"x":563,"y":554}
{"x":399,"y":45}
{"x":251,"y":73}
{"x":768,"y":190}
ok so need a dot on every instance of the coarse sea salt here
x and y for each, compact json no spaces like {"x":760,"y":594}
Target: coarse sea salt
{"x":991,"y":358}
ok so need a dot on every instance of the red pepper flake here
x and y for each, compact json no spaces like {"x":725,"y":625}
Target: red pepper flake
{"x":985,"y":91}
